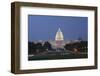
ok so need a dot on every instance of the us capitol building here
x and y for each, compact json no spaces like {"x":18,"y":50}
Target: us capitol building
{"x":58,"y":48}
{"x":59,"y":41}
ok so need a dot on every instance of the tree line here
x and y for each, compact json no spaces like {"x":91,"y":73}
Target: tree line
{"x":39,"y":48}
{"x":81,"y":46}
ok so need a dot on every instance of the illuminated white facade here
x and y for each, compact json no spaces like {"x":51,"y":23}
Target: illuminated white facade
{"x":59,"y":38}
{"x":59,"y":35}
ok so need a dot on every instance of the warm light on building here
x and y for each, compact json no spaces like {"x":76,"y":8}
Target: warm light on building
{"x":59,"y":38}
{"x":59,"y":35}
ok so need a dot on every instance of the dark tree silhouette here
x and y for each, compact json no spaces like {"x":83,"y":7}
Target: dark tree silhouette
{"x":47,"y":46}
{"x":39,"y":48}
{"x":80,"y":46}
{"x":68,"y":47}
{"x":31,"y":48}
{"x":84,"y":45}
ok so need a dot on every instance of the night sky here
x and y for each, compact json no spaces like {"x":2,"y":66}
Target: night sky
{"x":45,"y":27}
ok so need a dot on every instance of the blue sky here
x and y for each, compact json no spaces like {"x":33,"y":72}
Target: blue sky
{"x":41,"y":27}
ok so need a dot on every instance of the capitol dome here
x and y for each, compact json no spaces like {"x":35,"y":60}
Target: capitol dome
{"x":59,"y":35}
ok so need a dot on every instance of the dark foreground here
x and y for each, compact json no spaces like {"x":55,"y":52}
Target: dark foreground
{"x":58,"y":56}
